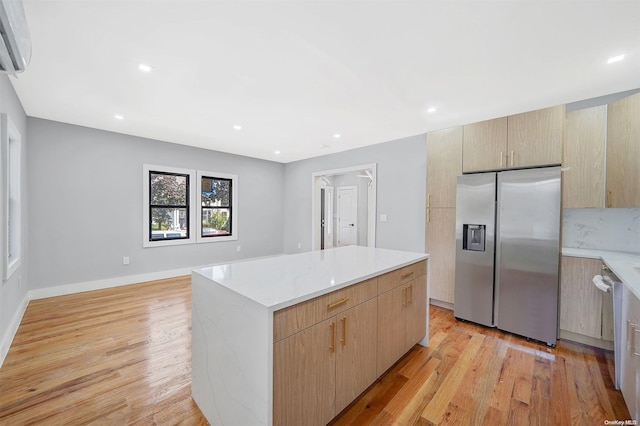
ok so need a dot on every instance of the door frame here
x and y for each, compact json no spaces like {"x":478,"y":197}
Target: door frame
{"x":316,"y":184}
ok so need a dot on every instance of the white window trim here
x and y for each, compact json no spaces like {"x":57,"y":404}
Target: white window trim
{"x":234,"y":207}
{"x":193,"y":227}
{"x":11,"y":149}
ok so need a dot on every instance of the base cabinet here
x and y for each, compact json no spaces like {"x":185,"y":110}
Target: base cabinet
{"x":326,"y":350}
{"x":400,"y":321}
{"x":630,"y":359}
{"x":304,"y":380}
{"x":586,"y":313}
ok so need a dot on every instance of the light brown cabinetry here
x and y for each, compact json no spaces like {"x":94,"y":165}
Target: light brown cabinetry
{"x":326,"y":349}
{"x":585,"y":312}
{"x":304,"y":380}
{"x":441,"y":246}
{"x":484,"y":145}
{"x":535,"y":137}
{"x":356,"y":347}
{"x":623,"y":152}
{"x":630,"y":357}
{"x":401,"y":321}
{"x":585,"y":137}
{"x":444,"y":165}
{"x":321,"y":369}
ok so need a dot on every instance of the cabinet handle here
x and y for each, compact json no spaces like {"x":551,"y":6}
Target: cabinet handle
{"x":332,"y":348}
{"x":410,"y":301}
{"x":404,"y":296}
{"x":406,"y":275}
{"x":428,"y":214}
{"x":344,"y":331}
{"x":608,"y":198}
{"x":338,"y":303}
{"x":501,"y":155}
{"x":428,"y":200}
{"x":512,"y":158}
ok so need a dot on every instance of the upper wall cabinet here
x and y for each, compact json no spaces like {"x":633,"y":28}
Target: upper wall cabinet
{"x":535,"y":137}
{"x":585,"y":137}
{"x":484,"y":145}
{"x":444,"y":165}
{"x":623,"y":152}
{"x":524,"y":140}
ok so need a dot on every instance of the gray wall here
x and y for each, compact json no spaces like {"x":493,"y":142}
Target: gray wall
{"x":86,"y":205}
{"x":11,"y":292}
{"x":401,"y":188}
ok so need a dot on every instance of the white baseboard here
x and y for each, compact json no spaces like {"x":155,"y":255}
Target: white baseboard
{"x":441,"y":304}
{"x":63,"y":290}
{"x":13,"y":328}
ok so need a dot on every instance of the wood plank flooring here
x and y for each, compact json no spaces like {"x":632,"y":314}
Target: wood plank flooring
{"x":122,"y":356}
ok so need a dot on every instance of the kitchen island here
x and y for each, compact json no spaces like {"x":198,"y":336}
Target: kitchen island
{"x":297,"y":337}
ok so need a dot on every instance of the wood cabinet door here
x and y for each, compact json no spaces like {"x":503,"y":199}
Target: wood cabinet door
{"x":357,"y":342}
{"x":585,"y":137}
{"x":535,"y":137}
{"x":441,"y":246}
{"x":444,"y":165}
{"x":623,"y":152}
{"x":629,"y":362}
{"x":580,"y":300}
{"x":391,"y":327}
{"x":416,"y":313}
{"x":304,"y":373}
{"x":484,"y":145}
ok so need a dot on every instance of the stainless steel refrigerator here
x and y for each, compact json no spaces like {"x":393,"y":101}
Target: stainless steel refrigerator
{"x":508,"y":251}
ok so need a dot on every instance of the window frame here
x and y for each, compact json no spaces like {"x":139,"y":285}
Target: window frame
{"x":11,"y":156}
{"x":233,"y":206}
{"x":146,"y":207}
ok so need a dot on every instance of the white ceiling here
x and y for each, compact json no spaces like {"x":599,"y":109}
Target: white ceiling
{"x":294,"y":73}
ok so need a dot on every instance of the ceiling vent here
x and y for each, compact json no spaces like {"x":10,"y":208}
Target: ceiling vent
{"x":15,"y":41}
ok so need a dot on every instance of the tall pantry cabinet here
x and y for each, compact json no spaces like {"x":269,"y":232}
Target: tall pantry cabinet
{"x":444,"y":165}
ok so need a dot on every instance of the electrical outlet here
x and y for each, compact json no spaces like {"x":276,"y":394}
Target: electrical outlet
{"x":125,"y":260}
{"x":383,"y":218}
{"x":299,"y":245}
{"x":238,"y":248}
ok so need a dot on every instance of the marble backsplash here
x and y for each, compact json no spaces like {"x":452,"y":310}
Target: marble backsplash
{"x":604,"y":229}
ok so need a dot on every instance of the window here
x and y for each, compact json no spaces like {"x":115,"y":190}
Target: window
{"x":217,"y":215}
{"x":11,"y":191}
{"x":168,"y":197}
{"x":182,"y":206}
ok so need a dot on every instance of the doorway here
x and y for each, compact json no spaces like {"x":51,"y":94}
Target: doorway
{"x":327,"y":229}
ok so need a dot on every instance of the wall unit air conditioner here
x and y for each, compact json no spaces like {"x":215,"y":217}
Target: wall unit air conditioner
{"x":15,"y":41}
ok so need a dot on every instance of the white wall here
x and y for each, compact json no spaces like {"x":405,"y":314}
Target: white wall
{"x":401,"y":189}
{"x":86,"y":205}
{"x":13,"y":292}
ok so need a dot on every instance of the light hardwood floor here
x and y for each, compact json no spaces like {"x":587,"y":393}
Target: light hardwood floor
{"x":122,"y":356}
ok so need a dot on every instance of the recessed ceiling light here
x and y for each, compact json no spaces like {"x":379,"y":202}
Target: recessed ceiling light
{"x":615,"y":59}
{"x":237,"y":127}
{"x":144,"y":68}
{"x":276,"y":152}
{"x":337,"y":135}
{"x":118,"y":117}
{"x":432,"y":109}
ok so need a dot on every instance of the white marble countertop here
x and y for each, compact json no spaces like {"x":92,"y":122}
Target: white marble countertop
{"x":626,"y":266}
{"x":281,"y":281}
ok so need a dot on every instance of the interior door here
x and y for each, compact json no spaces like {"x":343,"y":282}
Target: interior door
{"x":347,"y":215}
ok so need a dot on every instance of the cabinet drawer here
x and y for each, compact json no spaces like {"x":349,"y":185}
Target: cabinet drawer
{"x":295,"y":318}
{"x":400,"y":276}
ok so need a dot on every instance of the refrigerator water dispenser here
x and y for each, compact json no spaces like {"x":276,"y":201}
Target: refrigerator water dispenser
{"x":473,"y":237}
